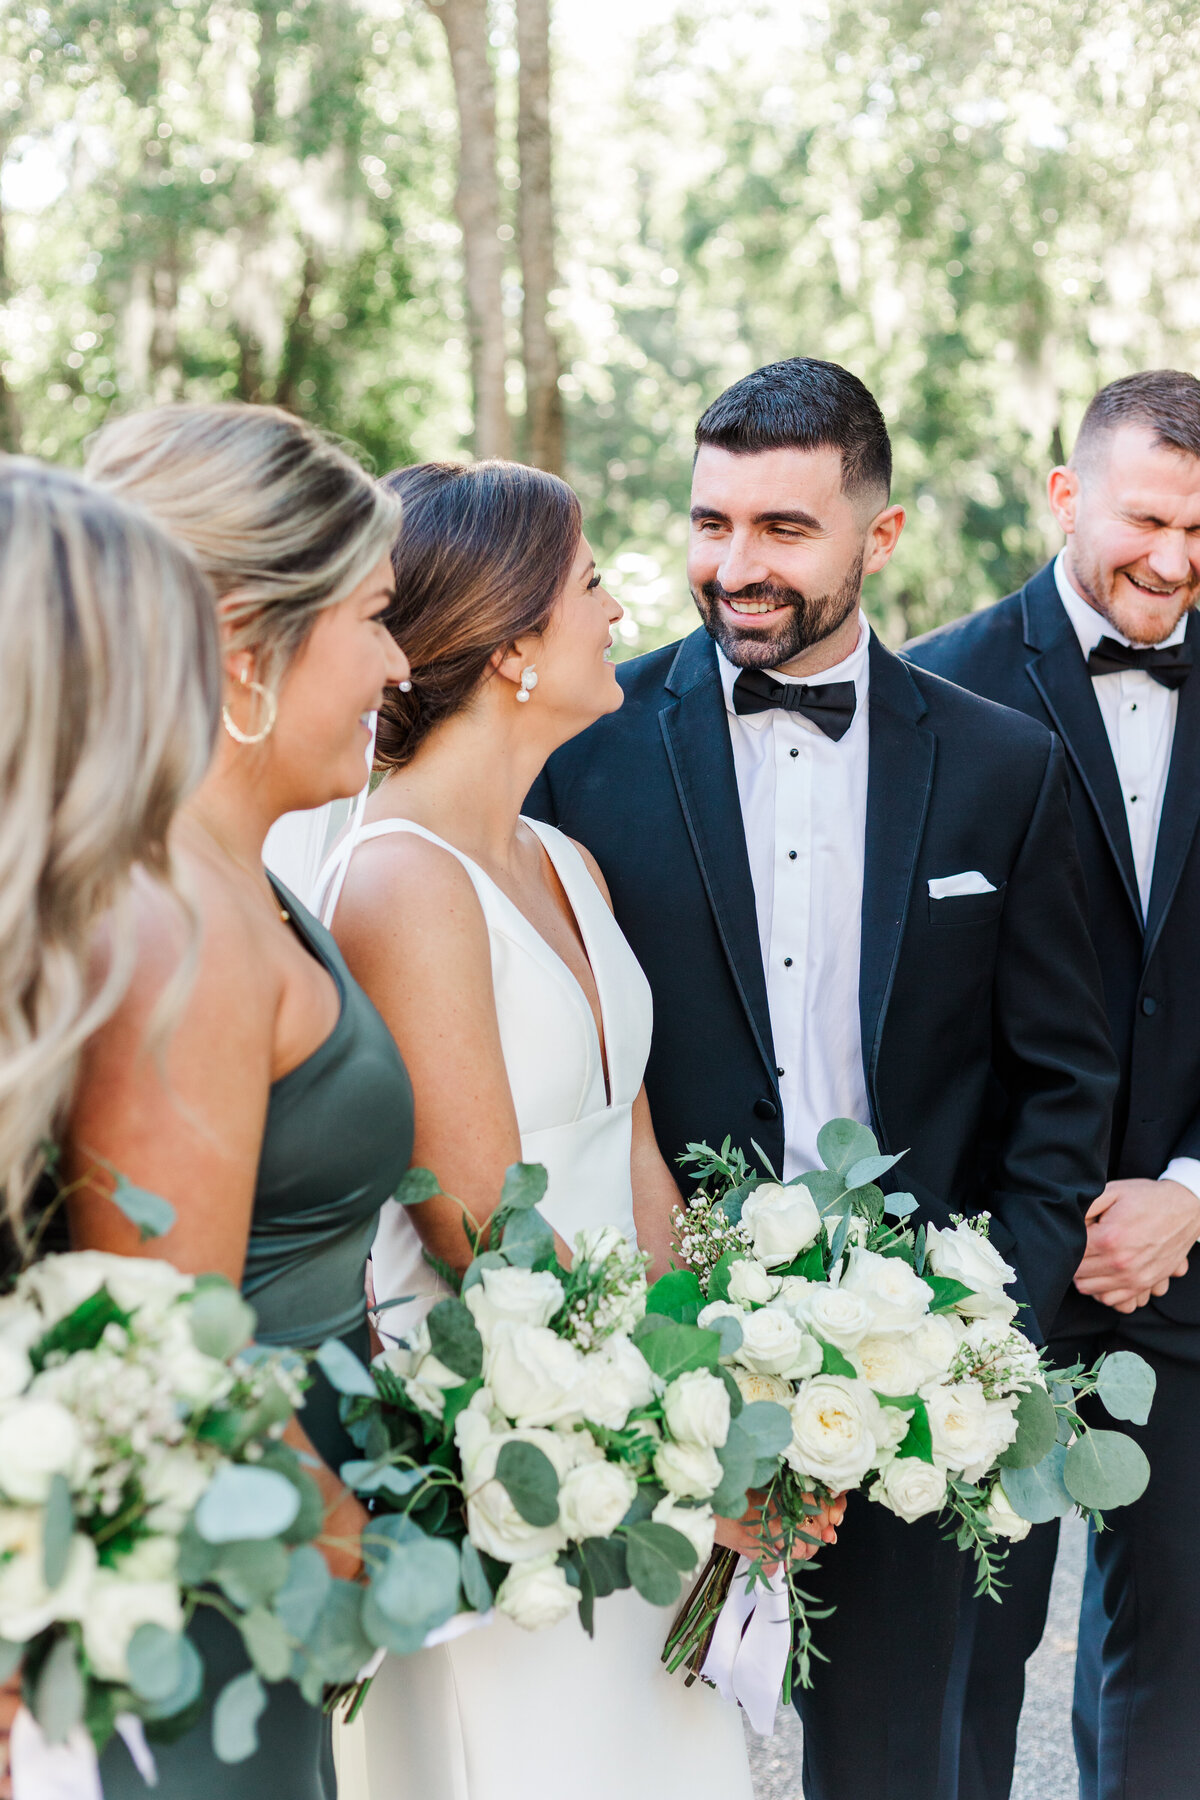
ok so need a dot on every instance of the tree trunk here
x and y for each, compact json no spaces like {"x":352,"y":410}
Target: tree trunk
{"x":477,"y":204}
{"x":543,"y":401}
{"x":10,"y":417}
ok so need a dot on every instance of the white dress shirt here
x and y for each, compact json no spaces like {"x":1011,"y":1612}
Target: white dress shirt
{"x":1139,"y":716}
{"x":804,"y":809}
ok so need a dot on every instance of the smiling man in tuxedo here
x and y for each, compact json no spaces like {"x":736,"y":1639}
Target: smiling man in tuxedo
{"x":854,"y":890}
{"x":1101,"y":646}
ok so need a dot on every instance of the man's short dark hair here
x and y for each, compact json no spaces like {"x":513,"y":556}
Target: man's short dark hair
{"x":804,"y":404}
{"x":1165,"y":401}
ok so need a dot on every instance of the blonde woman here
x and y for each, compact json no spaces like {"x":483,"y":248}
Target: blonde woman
{"x":109,"y":696}
{"x":278,"y":1117}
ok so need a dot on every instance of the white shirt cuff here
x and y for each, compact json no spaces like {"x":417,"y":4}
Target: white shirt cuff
{"x":1186,"y":1171}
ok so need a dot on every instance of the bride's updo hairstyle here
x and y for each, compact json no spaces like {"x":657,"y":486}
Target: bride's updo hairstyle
{"x":485,"y":550}
{"x":282,"y":520}
{"x":110,"y":686}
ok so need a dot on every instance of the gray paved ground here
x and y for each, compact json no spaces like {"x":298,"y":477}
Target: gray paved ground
{"x":1045,"y":1764}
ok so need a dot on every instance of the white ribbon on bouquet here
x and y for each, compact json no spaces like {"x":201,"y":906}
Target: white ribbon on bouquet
{"x":751,"y":1642}
{"x":69,"y":1771}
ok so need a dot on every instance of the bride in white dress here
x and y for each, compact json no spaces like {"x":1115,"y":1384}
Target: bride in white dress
{"x":524,"y":1020}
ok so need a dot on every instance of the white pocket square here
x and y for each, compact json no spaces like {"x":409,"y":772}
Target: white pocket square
{"x":949,"y":887}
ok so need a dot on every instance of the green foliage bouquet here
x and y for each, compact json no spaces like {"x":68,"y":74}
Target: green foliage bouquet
{"x":891,"y":1361}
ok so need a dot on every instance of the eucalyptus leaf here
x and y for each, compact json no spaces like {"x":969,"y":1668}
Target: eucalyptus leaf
{"x":238,"y":1708}
{"x":337,"y":1642}
{"x":242,"y":1501}
{"x":768,"y":1425}
{"x":180,"y":1705}
{"x":475,"y":1583}
{"x":843,"y":1143}
{"x":382,"y":1478}
{"x":1038,"y":1494}
{"x":416,"y":1590}
{"x":152,"y":1215}
{"x":309,"y":1519}
{"x":1103,"y":1469}
{"x":527,"y":1239}
{"x":678,"y":1295}
{"x":417,"y":1186}
{"x":900,"y":1206}
{"x":251,"y":1571}
{"x":267,"y":1643}
{"x":525,"y":1185}
{"x":655,"y":1556}
{"x":738,"y":1456}
{"x":530,"y":1480}
{"x":606,"y":1561}
{"x":1037,"y":1429}
{"x":155,"y":1659}
{"x":343,"y":1370}
{"x":870,"y":1168}
{"x":729,"y":1330}
{"x":221,"y":1322}
{"x":487,"y":1259}
{"x":840,"y":1234}
{"x":58,"y":1524}
{"x":60,"y":1691}
{"x":1126,"y":1385}
{"x":825,"y":1187}
{"x":299,"y":1601}
{"x":674,"y":1349}
{"x":454,"y":1338}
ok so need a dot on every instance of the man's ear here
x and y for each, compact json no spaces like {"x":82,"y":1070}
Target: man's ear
{"x":1062,"y":488}
{"x":883,"y":534}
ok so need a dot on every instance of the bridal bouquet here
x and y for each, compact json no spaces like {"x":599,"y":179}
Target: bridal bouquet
{"x":891,"y":1363}
{"x":538,"y":1441}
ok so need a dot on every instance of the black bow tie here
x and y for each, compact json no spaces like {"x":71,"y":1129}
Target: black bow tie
{"x":831,"y":706}
{"x":1170,"y":666}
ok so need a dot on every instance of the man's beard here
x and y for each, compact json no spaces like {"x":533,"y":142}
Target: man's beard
{"x":812,"y":619}
{"x":1097,"y":585}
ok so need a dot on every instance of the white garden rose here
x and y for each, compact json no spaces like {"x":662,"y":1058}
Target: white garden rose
{"x":150,"y":1559}
{"x":520,"y":1296}
{"x":612,"y":1381}
{"x":1003,"y":1520}
{"x":535,"y":1595}
{"x":893,"y":1428}
{"x":425,"y":1378}
{"x":61,"y":1283}
{"x":961,"y":1427}
{"x":594,"y":1498}
{"x":888,"y":1365}
{"x":774,"y":1344}
{"x":836,"y":1314}
{"x":696,"y":1406}
{"x":202,"y":1380}
{"x":750,"y":1282}
{"x":697,"y":1524}
{"x":172,"y":1481}
{"x":688,"y":1471}
{"x":967,"y":1256}
{"x":21,"y":1322}
{"x":993,"y":1342}
{"x":494,"y":1524}
{"x":782,"y":1221}
{"x":115,"y":1609}
{"x":754,"y":1387}
{"x":27,"y":1605}
{"x":836,"y":1427}
{"x":910,"y":1488}
{"x":38,"y":1440}
{"x":534,"y":1375}
{"x":897,"y":1296}
{"x":15,"y":1371}
{"x":793,"y":1293}
{"x":934,"y":1342}
{"x":596,"y":1243}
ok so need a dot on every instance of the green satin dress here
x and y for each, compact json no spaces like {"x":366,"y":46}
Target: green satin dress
{"x":338,"y":1138}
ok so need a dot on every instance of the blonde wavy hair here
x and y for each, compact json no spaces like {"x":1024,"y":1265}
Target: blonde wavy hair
{"x":111,"y":686}
{"x":281,"y":519}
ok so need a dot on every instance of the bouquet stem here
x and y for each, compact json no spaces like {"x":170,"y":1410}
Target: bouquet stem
{"x":696,"y":1620}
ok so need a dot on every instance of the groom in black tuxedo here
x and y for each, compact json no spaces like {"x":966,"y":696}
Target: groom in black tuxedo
{"x":855,"y":892}
{"x":1101,"y":646}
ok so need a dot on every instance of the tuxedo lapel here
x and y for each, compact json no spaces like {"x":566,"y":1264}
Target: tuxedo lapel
{"x":1181,"y":801}
{"x":899,"y":780}
{"x":1059,"y":673}
{"x":696,"y":734}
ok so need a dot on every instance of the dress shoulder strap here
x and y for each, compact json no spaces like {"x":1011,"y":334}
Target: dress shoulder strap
{"x":333,"y":874}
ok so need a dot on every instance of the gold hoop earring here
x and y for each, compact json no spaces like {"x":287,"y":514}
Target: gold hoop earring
{"x":529,"y":681}
{"x":270,"y":706}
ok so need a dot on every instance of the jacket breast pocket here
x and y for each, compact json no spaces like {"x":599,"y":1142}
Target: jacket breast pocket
{"x":968,"y":909}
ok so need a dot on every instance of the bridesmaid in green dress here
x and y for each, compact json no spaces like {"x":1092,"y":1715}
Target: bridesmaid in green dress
{"x":246,"y":1077}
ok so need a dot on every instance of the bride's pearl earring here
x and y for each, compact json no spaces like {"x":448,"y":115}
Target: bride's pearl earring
{"x":529,"y":681}
{"x":405,"y":687}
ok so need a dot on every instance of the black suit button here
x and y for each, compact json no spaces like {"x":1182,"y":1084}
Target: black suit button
{"x":765,"y":1109}
{"x":1149,"y":1005}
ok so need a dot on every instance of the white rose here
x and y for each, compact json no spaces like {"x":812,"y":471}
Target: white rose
{"x":521,"y":1296}
{"x":150,"y":1559}
{"x":61,"y":1283}
{"x":836,"y":1314}
{"x":1003,"y":1520}
{"x":21,"y":1322}
{"x":696,"y":1406}
{"x":754,"y":1387}
{"x":493,"y":1522}
{"x":934,"y":1342}
{"x":612,"y":1381}
{"x":750,"y":1283}
{"x":594,"y":1499}
{"x":202,"y":1380}
{"x":888,"y":1365}
{"x":172,"y":1481}
{"x":38,"y":1440}
{"x":534,"y":1375}
{"x":836,"y":1426}
{"x":688,"y":1470}
{"x":962,"y":1430}
{"x":773,"y":1344}
{"x":967,"y":1256}
{"x":782,"y":1222}
{"x":535,"y":1595}
{"x":115,"y":1609}
{"x":898,"y":1298}
{"x":993,"y":1342}
{"x":597,"y":1243}
{"x":793,"y":1293}
{"x":16,"y":1370}
{"x":894,"y":1427}
{"x":696,"y":1523}
{"x":27,"y":1605}
{"x":910,"y":1488}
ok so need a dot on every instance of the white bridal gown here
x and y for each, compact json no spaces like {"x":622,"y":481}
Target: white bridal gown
{"x":501,"y":1713}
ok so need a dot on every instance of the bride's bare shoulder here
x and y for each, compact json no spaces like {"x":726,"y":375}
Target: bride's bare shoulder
{"x":401,"y":888}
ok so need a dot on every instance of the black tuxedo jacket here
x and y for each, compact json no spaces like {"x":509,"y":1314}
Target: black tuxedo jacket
{"x":985,"y":1048}
{"x":1024,"y":653}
